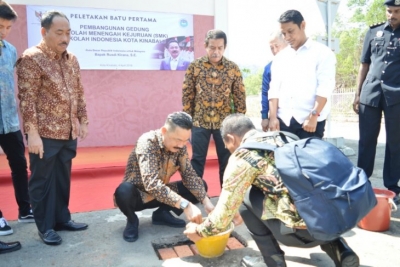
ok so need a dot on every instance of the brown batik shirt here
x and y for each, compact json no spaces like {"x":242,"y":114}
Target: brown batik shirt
{"x":150,"y":167}
{"x":50,"y":92}
{"x":208,"y":91}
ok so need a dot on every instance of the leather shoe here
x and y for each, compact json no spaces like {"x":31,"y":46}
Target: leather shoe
{"x":8,"y":247}
{"x":164,"y":217}
{"x":341,"y":254}
{"x":131,"y":232}
{"x":71,"y":226}
{"x":50,"y":237}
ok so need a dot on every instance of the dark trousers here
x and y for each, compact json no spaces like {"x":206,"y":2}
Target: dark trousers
{"x":200,"y":141}
{"x":296,"y":128}
{"x":50,"y":182}
{"x":128,"y":199}
{"x":267,"y":232}
{"x":369,"y":126}
{"x":14,"y":148}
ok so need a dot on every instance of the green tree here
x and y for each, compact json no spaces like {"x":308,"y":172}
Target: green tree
{"x":253,"y":82}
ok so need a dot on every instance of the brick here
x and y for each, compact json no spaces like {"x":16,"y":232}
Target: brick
{"x":194,"y":249}
{"x":183,"y":251}
{"x":233,"y":243}
{"x":167,"y":253}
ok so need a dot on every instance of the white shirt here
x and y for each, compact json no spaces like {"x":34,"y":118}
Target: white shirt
{"x":297,"y":77}
{"x":174,"y":62}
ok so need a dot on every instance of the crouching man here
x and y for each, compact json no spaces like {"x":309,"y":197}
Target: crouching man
{"x":156,"y":157}
{"x":267,"y":210}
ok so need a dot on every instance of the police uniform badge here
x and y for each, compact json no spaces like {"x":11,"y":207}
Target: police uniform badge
{"x":379,"y":33}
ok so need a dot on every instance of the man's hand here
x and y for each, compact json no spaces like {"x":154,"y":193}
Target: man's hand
{"x":35,"y":144}
{"x":274,"y":124}
{"x":356,"y":103}
{"x":191,"y":232}
{"x":310,"y":124}
{"x":208,"y":205}
{"x":193,"y":213}
{"x":83,"y":130}
{"x":264,"y":124}
{"x":237,"y":219}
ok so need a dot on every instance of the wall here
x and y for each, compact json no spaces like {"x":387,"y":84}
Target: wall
{"x":124,"y":104}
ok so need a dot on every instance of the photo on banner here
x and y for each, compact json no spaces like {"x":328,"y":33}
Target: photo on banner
{"x":104,"y":39}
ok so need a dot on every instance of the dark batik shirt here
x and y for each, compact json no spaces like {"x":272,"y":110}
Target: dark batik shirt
{"x":150,"y":167}
{"x":208,"y":91}
{"x":51,"y":93}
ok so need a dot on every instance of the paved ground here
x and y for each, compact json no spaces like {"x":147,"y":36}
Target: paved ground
{"x":102,"y":244}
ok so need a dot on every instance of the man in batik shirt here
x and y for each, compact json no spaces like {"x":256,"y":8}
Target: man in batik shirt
{"x":213,"y":88}
{"x":268,"y":210}
{"x":156,"y":157}
{"x":53,"y":109}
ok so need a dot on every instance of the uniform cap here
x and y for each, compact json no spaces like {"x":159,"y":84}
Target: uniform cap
{"x":392,"y":3}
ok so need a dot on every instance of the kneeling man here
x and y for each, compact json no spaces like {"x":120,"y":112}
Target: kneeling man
{"x":156,"y":157}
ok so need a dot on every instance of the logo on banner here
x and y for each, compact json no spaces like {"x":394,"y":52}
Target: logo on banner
{"x":183,"y":23}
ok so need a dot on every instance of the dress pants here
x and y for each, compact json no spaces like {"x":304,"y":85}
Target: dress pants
{"x":369,"y":126}
{"x":128,"y":199}
{"x":14,"y":148}
{"x":200,"y":141}
{"x":296,"y":128}
{"x":50,"y":182}
{"x":270,"y":231}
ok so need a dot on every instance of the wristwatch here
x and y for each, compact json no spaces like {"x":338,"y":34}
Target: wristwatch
{"x":184,"y":204}
{"x":314,"y":112}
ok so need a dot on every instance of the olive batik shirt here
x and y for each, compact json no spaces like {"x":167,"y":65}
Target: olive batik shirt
{"x":252,"y":168}
{"x":51,"y":92}
{"x":208,"y":91}
{"x":150,"y":168}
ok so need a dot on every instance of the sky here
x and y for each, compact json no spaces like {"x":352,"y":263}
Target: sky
{"x":252,"y":21}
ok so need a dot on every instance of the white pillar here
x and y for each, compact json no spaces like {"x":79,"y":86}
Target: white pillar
{"x":221,"y":19}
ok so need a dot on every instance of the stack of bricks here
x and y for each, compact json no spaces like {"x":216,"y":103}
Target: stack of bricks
{"x":182,"y":251}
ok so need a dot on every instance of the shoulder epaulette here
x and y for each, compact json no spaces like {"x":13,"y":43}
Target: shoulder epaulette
{"x":376,"y":25}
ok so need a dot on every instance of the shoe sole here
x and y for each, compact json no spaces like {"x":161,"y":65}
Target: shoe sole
{"x":130,"y":239}
{"x":351,"y":260}
{"x":8,"y":232}
{"x":11,"y":249}
{"x":170,"y":225}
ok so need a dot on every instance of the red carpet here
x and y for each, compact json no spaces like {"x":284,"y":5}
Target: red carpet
{"x":96,"y":172}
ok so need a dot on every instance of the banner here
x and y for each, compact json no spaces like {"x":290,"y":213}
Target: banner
{"x":105,"y":39}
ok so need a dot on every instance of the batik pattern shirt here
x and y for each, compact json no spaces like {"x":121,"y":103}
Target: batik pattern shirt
{"x":9,"y":121}
{"x":51,"y":93}
{"x":208,"y":91}
{"x":150,"y":167}
{"x":251,"y":168}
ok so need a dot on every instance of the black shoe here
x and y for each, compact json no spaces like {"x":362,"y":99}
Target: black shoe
{"x":71,"y":226}
{"x":50,"y":237}
{"x":27,"y":218}
{"x":341,"y":253}
{"x":9,"y":247}
{"x":131,"y":232}
{"x":164,"y":217}
{"x":396,"y":200}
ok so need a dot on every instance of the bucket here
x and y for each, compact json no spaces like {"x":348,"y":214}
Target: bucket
{"x":214,"y":246}
{"x":378,"y":219}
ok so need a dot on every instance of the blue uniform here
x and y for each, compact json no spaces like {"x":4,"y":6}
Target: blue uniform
{"x":380,"y":92}
{"x":264,"y":92}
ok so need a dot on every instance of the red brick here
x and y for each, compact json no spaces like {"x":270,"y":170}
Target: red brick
{"x":167,"y":253}
{"x":183,"y":251}
{"x":233,"y":243}
{"x":194,"y":249}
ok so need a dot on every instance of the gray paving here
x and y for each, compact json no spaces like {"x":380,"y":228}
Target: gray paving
{"x":102,"y":244}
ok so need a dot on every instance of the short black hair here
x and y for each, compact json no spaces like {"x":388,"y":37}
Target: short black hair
{"x":291,"y":16}
{"x":215,"y":34}
{"x":170,"y":41}
{"x":47,"y":18}
{"x":237,"y":124}
{"x":7,"y":12}
{"x":178,"y":119}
